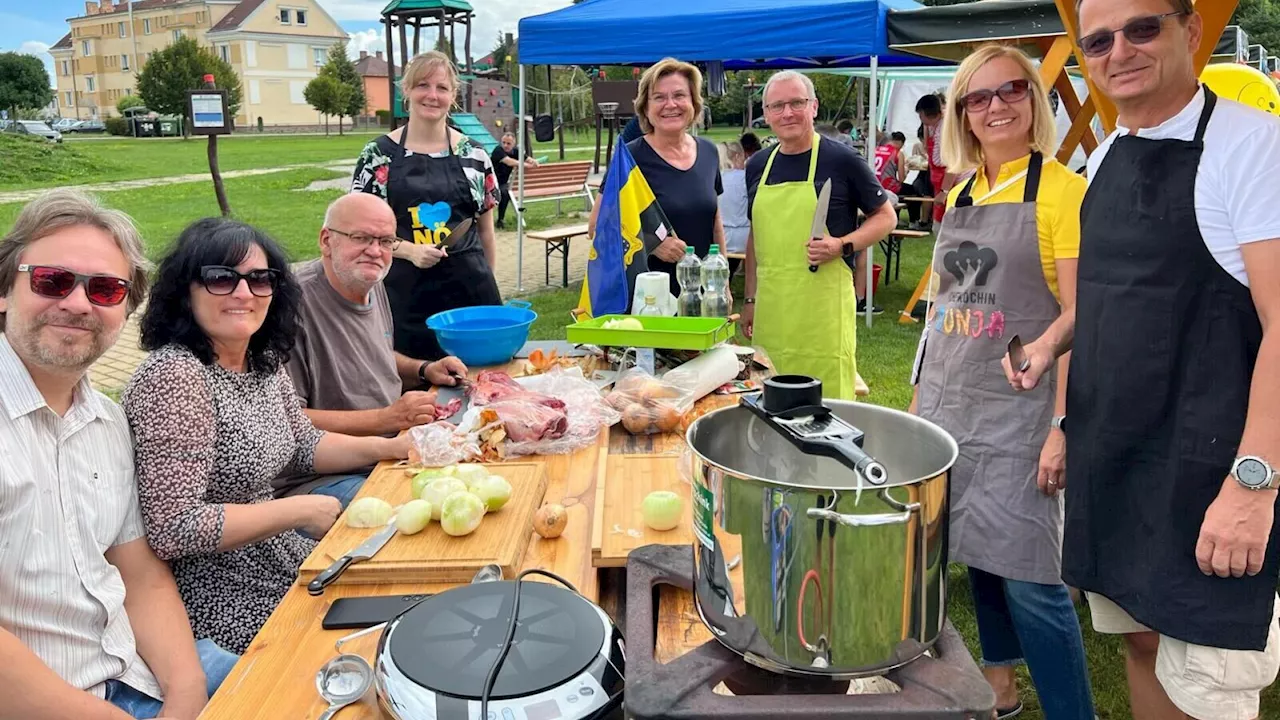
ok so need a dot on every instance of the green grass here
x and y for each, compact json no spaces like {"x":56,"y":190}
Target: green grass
{"x":30,"y":162}
{"x":550,"y":151}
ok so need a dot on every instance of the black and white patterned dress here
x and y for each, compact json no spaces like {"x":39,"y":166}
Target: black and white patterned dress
{"x":205,"y":437}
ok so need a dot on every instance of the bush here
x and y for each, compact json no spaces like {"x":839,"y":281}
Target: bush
{"x":117,"y":126}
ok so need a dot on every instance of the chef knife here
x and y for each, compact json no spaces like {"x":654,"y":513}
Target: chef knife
{"x":363,"y":551}
{"x":819,"y":228}
{"x":456,"y":233}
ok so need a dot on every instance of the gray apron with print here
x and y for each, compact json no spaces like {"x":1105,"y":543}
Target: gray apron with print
{"x":992,"y":287}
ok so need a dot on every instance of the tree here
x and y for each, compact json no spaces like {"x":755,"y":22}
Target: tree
{"x":329,"y":96}
{"x":1261,"y":20}
{"x":24,"y":83}
{"x":128,"y":101}
{"x":171,"y":72}
{"x":349,"y":96}
{"x":444,"y":46}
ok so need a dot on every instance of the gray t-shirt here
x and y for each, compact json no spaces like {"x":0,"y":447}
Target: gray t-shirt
{"x":343,"y":359}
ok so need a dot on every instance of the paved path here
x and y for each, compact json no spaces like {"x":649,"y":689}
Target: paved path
{"x":28,"y":195}
{"x":113,"y":370}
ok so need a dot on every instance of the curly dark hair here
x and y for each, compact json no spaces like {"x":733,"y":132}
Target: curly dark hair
{"x":218,"y":241}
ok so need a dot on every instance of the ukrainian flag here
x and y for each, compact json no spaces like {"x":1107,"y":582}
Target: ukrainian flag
{"x":628,"y":226}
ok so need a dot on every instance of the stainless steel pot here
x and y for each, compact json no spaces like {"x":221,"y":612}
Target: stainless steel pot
{"x":801,"y":571}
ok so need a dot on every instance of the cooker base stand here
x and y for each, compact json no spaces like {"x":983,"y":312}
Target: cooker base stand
{"x":947,"y":686}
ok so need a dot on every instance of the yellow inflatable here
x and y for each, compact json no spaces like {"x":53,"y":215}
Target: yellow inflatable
{"x":1243,"y":84}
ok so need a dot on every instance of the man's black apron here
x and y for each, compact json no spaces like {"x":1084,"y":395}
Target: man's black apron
{"x":1162,"y":361}
{"x":430,"y":195}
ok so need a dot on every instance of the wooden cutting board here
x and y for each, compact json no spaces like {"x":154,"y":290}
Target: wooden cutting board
{"x":619,"y":521}
{"x":432,"y":555}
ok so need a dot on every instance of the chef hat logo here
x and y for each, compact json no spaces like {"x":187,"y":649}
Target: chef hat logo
{"x":969,"y":258}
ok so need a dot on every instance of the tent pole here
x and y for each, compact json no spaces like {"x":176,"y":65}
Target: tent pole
{"x":520,"y":182}
{"x":873,"y":114}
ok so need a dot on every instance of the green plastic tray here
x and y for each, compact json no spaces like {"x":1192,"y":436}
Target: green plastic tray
{"x":664,"y":333}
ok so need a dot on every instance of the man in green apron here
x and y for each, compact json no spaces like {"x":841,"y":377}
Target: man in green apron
{"x":806,"y":320}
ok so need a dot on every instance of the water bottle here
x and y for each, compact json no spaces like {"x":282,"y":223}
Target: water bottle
{"x":715,"y":284}
{"x":650,"y":307}
{"x":689,"y":275}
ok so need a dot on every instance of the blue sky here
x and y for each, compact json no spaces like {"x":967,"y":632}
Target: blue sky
{"x":31,"y":26}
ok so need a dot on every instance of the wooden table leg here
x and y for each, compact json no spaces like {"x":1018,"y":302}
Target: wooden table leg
{"x":564,"y":255}
{"x":921,"y":287}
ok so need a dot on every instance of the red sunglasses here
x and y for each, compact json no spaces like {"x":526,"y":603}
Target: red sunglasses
{"x":56,"y":283}
{"x":1011,"y":92}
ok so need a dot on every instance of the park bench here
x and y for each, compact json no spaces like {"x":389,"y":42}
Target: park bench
{"x":553,"y":181}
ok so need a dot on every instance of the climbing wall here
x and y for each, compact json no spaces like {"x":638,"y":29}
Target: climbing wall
{"x":492,"y":103}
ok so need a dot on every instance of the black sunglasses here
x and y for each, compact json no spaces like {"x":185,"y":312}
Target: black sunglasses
{"x":1010,"y":92}
{"x":56,"y":283}
{"x":1138,"y":31}
{"x":223,"y":280}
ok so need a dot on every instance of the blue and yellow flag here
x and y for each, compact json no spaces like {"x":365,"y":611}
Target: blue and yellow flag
{"x":628,"y":226}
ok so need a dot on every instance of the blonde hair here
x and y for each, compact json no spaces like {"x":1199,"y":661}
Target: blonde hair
{"x":650,"y":78}
{"x":56,"y":210}
{"x":960,"y":147}
{"x":423,"y":65}
{"x":731,"y":152}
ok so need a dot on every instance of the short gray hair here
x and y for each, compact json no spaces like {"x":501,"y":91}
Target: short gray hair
{"x":58,"y":209}
{"x":786,"y":75}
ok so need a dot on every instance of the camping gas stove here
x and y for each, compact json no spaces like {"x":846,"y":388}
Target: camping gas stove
{"x":712,"y":682}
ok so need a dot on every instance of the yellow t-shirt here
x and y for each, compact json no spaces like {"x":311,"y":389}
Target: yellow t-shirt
{"x":1057,"y":208}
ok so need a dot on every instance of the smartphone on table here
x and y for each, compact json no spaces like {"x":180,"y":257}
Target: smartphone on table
{"x":362,"y":612}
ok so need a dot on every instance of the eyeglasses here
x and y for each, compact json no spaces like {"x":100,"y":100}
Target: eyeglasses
{"x":776,"y":108}
{"x":57,"y":283}
{"x":389,"y":242}
{"x":222,"y":280}
{"x":1010,"y":92}
{"x":1138,"y":31}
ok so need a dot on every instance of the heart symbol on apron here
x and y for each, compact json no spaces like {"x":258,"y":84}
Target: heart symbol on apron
{"x":434,"y":216}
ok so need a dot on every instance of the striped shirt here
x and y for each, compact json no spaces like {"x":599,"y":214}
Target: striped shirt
{"x":67,"y":494}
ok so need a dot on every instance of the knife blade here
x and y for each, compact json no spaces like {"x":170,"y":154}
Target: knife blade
{"x":819,"y":228}
{"x":363,"y":551}
{"x":457,"y":232}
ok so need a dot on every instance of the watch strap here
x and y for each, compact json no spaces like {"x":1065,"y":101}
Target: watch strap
{"x":1272,"y":478}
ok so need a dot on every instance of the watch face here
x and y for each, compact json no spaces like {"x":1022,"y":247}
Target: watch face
{"x":1251,"y":472}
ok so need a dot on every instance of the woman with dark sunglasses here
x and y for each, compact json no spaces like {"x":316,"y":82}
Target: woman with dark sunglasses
{"x":215,"y":420}
{"x":1005,"y":264}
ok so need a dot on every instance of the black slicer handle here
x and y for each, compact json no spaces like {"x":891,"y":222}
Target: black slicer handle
{"x":328,"y":575}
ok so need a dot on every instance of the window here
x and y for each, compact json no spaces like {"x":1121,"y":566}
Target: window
{"x":284,"y":16}
{"x":89,"y":83}
{"x":321,"y":55}
{"x":120,"y":28}
{"x":297,"y":56}
{"x":70,"y":102}
{"x":66,"y":68}
{"x":296,"y":88}
{"x":300,"y":17}
{"x":225,"y":52}
{"x":177,"y":35}
{"x":85,"y":48}
{"x":255,"y":92}
{"x":146,"y":26}
{"x":124,"y":63}
{"x":251,"y":53}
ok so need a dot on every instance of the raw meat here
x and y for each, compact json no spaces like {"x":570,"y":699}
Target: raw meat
{"x":492,"y":386}
{"x":449,"y":409}
{"x":527,"y":421}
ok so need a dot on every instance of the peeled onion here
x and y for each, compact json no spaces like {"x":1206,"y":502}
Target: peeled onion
{"x":461,"y":513}
{"x":425,"y":477}
{"x":662,"y":510}
{"x":413,"y":517}
{"x":369,"y":512}
{"x":437,"y":490}
{"x":494,"y":490}
{"x":550,"y":520}
{"x":470,"y":473}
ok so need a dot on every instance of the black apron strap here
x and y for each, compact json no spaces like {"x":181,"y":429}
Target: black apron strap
{"x":965,"y":199}
{"x":1033,"y":178}
{"x":1210,"y":101}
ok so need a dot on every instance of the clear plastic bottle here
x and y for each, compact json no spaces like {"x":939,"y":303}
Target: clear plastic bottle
{"x":650,"y":307}
{"x":689,"y":275}
{"x":715,"y":284}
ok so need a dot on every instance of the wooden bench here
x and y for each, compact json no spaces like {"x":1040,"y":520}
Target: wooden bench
{"x":557,"y":241}
{"x":892,"y":248}
{"x":554,"y":181}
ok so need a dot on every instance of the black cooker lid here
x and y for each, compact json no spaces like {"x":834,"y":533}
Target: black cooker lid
{"x":448,"y":642}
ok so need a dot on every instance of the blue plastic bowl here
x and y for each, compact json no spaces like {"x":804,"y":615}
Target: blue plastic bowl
{"x":484,"y":334}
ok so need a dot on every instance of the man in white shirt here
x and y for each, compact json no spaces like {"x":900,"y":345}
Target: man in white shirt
{"x":91,"y":623}
{"x":1173,"y":431}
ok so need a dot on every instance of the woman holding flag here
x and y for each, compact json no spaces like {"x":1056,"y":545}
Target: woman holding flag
{"x":682,"y":173}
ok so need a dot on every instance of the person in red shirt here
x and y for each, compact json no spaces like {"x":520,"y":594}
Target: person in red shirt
{"x":889,"y":164}
{"x":929,"y":109}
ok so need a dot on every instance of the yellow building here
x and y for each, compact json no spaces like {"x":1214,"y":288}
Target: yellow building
{"x":275,"y":46}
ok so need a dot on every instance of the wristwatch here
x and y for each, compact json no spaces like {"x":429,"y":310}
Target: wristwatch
{"x":1059,"y":422}
{"x":749,"y":301}
{"x":422,"y":372}
{"x":1254,"y":473}
{"x":846,"y":249}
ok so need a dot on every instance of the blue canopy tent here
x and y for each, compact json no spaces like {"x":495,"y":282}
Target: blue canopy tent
{"x":741,"y":34}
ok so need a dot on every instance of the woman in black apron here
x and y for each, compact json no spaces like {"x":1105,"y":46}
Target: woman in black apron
{"x":436,"y":180}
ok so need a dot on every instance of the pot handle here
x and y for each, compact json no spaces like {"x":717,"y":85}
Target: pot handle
{"x":864,"y":520}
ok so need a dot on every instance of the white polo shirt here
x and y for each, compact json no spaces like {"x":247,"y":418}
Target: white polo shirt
{"x":67,"y":494}
{"x":1237,"y":191}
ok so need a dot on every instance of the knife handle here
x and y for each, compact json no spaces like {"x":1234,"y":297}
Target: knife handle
{"x":328,"y":575}
{"x":813,"y":268}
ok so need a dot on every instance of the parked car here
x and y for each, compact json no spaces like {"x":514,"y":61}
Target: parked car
{"x":35,"y":127}
{"x":64,"y":124}
{"x":88,"y":126}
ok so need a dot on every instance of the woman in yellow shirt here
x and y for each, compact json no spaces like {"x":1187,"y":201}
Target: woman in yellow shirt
{"x":1006,"y":264}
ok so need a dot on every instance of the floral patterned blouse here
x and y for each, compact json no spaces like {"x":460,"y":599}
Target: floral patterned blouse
{"x":374,"y":164}
{"x":205,"y":437}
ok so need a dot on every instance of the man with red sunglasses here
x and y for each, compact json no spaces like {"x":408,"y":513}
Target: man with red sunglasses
{"x":91,"y":625}
{"x":1174,"y":392}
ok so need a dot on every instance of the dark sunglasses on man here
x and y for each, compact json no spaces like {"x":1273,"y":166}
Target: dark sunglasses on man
{"x":1010,"y":92}
{"x":56,"y":283}
{"x":223,"y":280}
{"x":1138,"y":31}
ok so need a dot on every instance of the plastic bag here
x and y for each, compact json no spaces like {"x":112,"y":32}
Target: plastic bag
{"x":443,"y":443}
{"x":585,"y":411}
{"x":648,"y":405}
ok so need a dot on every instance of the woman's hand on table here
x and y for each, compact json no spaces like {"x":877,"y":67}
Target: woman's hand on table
{"x":315,"y":513}
{"x":671,"y":250}
{"x":424,"y":256}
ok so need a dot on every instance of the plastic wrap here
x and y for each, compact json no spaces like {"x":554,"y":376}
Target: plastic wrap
{"x":584,"y":408}
{"x":648,"y":405}
{"x":443,"y":443}
{"x":703,"y":374}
